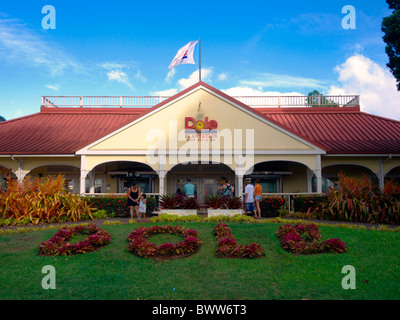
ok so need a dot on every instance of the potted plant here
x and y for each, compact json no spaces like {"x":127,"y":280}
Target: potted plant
{"x":221,"y":205}
{"x":178,"y":205}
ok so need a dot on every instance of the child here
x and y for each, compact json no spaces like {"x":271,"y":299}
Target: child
{"x":142,"y":207}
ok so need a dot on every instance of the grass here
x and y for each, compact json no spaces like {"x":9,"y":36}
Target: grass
{"x":114,"y":273}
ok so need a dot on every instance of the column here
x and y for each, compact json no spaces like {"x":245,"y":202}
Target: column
{"x":318,"y":174}
{"x":381,"y":175}
{"x":161,"y":181}
{"x":83,"y":176}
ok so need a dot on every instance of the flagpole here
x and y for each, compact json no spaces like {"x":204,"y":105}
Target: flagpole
{"x":199,"y":60}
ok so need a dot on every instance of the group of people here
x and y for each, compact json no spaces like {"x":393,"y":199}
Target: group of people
{"x":136,"y":202}
{"x":253,"y":197}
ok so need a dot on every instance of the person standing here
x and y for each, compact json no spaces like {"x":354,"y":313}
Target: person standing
{"x":227,"y":189}
{"x":249,"y":196}
{"x":133,"y":199}
{"x":258,"y":198}
{"x":142,"y":207}
{"x":189,"y":188}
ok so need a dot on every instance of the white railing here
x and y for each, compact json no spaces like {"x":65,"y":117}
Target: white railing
{"x":149,"y":101}
{"x":101,"y":101}
{"x":300,"y":101}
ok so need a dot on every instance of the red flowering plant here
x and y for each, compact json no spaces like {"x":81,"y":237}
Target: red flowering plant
{"x":270,"y":206}
{"x":139,"y":245}
{"x":304,"y":238}
{"x":59,"y":244}
{"x":227,"y":246}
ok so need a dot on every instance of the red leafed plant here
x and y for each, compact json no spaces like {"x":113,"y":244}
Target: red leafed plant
{"x":304,"y":238}
{"x":227,"y":246}
{"x":59,"y":244}
{"x":139,"y":245}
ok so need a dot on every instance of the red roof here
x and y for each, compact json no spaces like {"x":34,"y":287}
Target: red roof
{"x":344,"y":130}
{"x":61,"y":130}
{"x":341,"y":130}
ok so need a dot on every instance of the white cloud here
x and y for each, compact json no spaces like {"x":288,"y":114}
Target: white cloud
{"x":247,"y":91}
{"x":21,"y":46}
{"x":168,"y":92}
{"x":119,"y":76}
{"x":270,"y":80}
{"x":222,"y":76}
{"x":359,"y":75}
{"x":54,"y":87}
{"x":140,"y":77}
{"x":170,"y":75}
{"x":194,"y":78}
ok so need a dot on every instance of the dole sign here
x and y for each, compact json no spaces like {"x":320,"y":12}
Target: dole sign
{"x":200,"y":130}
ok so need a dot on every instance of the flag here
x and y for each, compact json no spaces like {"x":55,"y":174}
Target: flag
{"x":184,"y":55}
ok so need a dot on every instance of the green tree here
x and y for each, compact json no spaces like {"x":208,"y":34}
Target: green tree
{"x":391,"y":30}
{"x":2,"y":119}
{"x":316,"y":99}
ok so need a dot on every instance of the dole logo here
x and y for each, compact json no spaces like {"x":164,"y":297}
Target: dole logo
{"x":198,"y":125}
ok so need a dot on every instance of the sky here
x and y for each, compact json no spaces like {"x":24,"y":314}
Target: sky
{"x":247,"y":48}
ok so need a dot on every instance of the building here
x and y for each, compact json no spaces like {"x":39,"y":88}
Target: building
{"x":203,"y":134}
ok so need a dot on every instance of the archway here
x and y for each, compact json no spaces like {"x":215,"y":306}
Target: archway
{"x":330,"y":174}
{"x":4,"y":174}
{"x":117,"y":176}
{"x":394,"y":173}
{"x":282,"y":176}
{"x":70,"y":173}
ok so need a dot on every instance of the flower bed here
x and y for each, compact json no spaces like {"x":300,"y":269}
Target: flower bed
{"x":58,"y":244}
{"x":304,"y":238}
{"x":229,"y":248}
{"x":139,"y":245}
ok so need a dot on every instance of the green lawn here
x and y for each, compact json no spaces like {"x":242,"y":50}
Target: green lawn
{"x":114,"y":273}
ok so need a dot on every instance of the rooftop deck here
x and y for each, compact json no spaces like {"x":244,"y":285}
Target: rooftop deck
{"x":150,"y":101}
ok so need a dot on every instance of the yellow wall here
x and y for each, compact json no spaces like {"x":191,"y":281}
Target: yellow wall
{"x":227,"y":116}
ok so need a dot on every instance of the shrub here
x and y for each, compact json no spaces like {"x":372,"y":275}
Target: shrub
{"x":139,"y":245}
{"x":41,"y":200}
{"x":307,"y":204}
{"x":270,"y":206}
{"x":215,"y":201}
{"x":58,"y":244}
{"x":359,"y":200}
{"x":304,"y":238}
{"x":227,"y":246}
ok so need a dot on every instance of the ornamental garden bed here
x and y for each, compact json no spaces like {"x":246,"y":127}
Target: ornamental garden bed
{"x":115,"y":273}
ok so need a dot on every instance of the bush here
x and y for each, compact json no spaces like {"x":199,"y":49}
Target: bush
{"x":117,"y":205}
{"x":270,"y":206}
{"x":41,"y":200}
{"x":304,"y":238}
{"x":307,"y":204}
{"x":359,"y":200}
{"x":227,"y":246}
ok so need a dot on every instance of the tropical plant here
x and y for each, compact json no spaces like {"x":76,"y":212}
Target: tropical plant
{"x":234,"y":203}
{"x":215,"y":201}
{"x":41,"y":200}
{"x":168,"y":201}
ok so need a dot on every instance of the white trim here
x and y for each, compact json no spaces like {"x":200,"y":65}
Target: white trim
{"x":38,"y":155}
{"x":200,"y":152}
{"x":85,"y":150}
{"x":361,"y":155}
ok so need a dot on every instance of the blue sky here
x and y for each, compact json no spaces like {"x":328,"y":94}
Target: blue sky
{"x":248,"y":48}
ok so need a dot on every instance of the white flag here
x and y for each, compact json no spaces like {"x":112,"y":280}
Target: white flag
{"x":184,"y":55}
